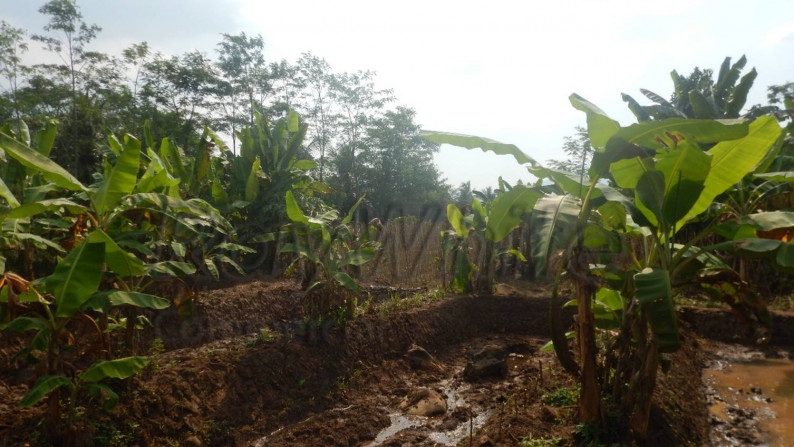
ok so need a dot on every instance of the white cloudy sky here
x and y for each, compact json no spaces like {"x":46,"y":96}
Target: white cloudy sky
{"x":502,"y":69}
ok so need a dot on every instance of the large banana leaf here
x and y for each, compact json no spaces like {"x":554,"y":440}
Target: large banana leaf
{"x":455,"y":218}
{"x":35,"y":160}
{"x":169,"y":205}
{"x":732,"y":160}
{"x":636,"y":108}
{"x":294,"y":211}
{"x":739,"y":94}
{"x":700,"y":105}
{"x":119,"y":260}
{"x":652,"y":290}
{"x":569,"y":182}
{"x":358,"y":257}
{"x":105,"y":300}
{"x":122,"y":178}
{"x":45,"y":138}
{"x":473,"y":142}
{"x":41,"y":206}
{"x":553,"y":222}
{"x":352,"y":211}
{"x":600,"y":127}
{"x":771,"y":220}
{"x":43,"y":386}
{"x":627,"y":174}
{"x":156,"y":176}
{"x":670,"y":132}
{"x":170,"y":268}
{"x":650,"y":196}
{"x":6,"y":193}
{"x":76,"y":278}
{"x":172,"y":159}
{"x":685,"y":170}
{"x":113,"y":369}
{"x":252,"y":183}
{"x":506,"y":211}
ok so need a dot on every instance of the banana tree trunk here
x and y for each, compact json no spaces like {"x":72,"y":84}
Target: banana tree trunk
{"x":590,"y":396}
{"x":643,"y":391}
{"x":485,"y":275}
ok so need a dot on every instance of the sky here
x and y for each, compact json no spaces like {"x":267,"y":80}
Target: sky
{"x":499,"y":69}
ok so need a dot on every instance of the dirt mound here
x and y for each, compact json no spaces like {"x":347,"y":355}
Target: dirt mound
{"x":227,"y":312}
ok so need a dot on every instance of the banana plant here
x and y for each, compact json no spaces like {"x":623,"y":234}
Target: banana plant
{"x":253,"y":183}
{"x":55,"y":309}
{"x":699,"y":96}
{"x":130,"y":214}
{"x":666,"y":180}
{"x":328,"y":251}
{"x":673,"y":181}
{"x":24,"y":241}
{"x":491,"y":221}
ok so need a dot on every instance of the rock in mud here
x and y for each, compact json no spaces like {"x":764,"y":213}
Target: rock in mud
{"x":424,"y":402}
{"x":419,"y":358}
{"x":489,"y":362}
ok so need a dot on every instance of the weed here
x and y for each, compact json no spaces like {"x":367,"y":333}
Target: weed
{"x":267,"y":335}
{"x":395,"y":303}
{"x":206,"y":354}
{"x":561,"y":397}
{"x":597,"y":435}
{"x":108,"y":435}
{"x":157,"y":348}
{"x":541,"y":442}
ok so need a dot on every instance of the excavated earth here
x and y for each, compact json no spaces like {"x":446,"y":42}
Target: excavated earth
{"x":245,"y":370}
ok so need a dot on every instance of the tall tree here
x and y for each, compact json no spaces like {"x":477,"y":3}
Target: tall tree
{"x":286,"y":85}
{"x":241,"y":60}
{"x":68,"y":35}
{"x":359,"y":105}
{"x":135,"y":57}
{"x":12,"y":46}
{"x":178,"y":91}
{"x":398,"y":174}
{"x":316,"y":81}
{"x":579,"y":153}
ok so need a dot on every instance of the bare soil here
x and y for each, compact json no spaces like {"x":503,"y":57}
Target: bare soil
{"x":223,"y":381}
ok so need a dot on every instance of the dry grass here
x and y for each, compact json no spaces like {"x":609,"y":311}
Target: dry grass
{"x":411,"y":253}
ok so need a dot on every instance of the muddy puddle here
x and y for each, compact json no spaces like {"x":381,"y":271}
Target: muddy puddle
{"x":440,"y":430}
{"x":752,"y":401}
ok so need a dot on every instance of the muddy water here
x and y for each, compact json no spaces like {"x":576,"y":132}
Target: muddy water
{"x":453,"y":390}
{"x":761,"y":389}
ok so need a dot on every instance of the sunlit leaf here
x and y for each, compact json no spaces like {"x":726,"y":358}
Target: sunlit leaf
{"x":474,"y":142}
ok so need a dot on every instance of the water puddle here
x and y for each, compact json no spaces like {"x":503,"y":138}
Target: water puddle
{"x":761,"y":390}
{"x":454,"y":436}
{"x":453,"y":391}
{"x":399,"y":422}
